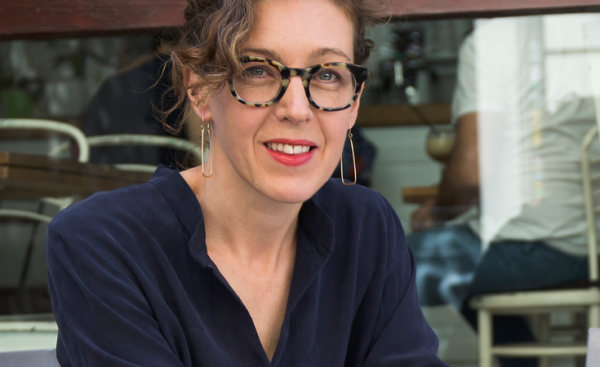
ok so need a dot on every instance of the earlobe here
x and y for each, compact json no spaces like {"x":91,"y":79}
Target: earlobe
{"x":201,"y":109}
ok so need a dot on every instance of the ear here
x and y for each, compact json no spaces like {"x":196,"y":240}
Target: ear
{"x":197,"y":101}
{"x":354,"y":108}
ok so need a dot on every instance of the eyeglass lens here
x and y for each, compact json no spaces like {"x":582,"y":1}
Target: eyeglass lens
{"x":330,"y":87}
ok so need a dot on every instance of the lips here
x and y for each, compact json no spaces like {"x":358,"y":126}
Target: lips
{"x":291,"y":153}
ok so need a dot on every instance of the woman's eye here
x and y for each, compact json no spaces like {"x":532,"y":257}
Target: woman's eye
{"x":256,"y":71}
{"x":327,"y":76}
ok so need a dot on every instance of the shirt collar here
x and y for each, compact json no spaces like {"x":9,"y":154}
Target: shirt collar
{"x":179,"y":195}
{"x":316,"y":235}
{"x":317,"y":224}
{"x":316,"y":230}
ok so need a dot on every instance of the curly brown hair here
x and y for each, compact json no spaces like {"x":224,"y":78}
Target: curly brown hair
{"x":214,"y":32}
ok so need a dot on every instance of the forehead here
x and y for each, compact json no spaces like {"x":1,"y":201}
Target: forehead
{"x":295,"y":29}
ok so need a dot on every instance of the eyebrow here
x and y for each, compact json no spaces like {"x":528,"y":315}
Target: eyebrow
{"x":327,"y":50}
{"x":270,"y":54}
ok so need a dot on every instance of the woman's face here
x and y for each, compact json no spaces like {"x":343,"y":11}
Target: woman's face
{"x":298,"y":34}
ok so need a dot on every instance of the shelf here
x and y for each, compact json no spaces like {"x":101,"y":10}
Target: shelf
{"x":399,"y":115}
{"x":418,"y":194}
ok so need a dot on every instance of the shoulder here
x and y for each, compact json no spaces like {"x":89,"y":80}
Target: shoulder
{"x":165,"y":197}
{"x":498,"y":26}
{"x":130,"y":219}
{"x":109,"y":232}
{"x":104,"y":208}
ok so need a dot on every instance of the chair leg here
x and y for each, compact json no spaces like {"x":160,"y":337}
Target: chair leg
{"x":485,"y":326}
{"x":594,"y":316}
{"x":544,"y":337}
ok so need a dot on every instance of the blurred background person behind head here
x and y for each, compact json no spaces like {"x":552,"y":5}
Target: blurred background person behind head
{"x":509,"y":214}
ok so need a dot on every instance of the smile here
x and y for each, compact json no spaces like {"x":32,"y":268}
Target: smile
{"x":291,"y":153}
{"x":288,"y":148}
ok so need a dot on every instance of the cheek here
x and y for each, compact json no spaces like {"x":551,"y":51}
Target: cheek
{"x":336,"y":132}
{"x":232,"y":120}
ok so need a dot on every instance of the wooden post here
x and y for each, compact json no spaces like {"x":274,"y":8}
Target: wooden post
{"x":486,"y":330}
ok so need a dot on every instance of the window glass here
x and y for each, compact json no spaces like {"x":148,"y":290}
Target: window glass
{"x":471,"y":129}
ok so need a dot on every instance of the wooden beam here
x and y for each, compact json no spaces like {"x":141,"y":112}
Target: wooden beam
{"x":64,"y":18}
{"x":445,"y":9}
{"x":20,"y":19}
{"x":419,"y":194}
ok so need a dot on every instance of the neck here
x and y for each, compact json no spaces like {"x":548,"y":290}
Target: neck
{"x":241,"y":222}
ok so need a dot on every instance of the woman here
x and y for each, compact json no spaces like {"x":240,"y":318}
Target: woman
{"x":266,"y":262}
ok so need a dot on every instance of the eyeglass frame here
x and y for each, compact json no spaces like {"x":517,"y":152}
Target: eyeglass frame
{"x":359,"y":72}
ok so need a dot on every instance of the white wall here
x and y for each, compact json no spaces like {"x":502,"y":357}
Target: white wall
{"x":401,"y":161}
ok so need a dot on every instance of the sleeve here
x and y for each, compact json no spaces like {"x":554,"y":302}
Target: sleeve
{"x":482,"y":69}
{"x":400,"y":335}
{"x":464,"y":99}
{"x":102,"y":314}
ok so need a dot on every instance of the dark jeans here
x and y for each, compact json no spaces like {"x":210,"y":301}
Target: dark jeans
{"x":450,"y":269}
{"x":519,"y":266}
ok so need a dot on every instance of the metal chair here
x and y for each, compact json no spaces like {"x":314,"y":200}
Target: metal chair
{"x":54,"y":127}
{"x":33,"y":216}
{"x":51,"y":126}
{"x":543,"y":303}
{"x":149,"y":140}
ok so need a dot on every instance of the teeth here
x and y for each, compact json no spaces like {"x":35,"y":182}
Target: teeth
{"x":288,"y":149}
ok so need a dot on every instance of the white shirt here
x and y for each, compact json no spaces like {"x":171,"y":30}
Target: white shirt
{"x":529,"y":80}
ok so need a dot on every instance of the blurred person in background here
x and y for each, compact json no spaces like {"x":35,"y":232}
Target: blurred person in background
{"x":509,"y":215}
{"x":128,"y":101}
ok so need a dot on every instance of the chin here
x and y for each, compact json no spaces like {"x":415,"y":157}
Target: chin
{"x":292,"y":191}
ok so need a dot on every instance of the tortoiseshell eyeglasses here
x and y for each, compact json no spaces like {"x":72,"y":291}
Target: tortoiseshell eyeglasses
{"x":332,"y":86}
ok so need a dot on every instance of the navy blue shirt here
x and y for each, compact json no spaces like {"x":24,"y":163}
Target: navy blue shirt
{"x":132,"y":285}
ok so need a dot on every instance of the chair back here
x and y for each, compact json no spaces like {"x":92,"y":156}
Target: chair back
{"x":149,"y":140}
{"x":51,"y":126}
{"x":587,"y":162}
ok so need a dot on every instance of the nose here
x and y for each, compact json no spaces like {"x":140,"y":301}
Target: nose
{"x":294,"y":105}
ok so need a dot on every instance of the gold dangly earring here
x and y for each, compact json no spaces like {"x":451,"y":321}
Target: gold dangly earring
{"x":353,"y":162}
{"x":202,"y":148}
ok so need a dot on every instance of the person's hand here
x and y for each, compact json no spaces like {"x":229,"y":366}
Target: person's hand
{"x":424,"y":218}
